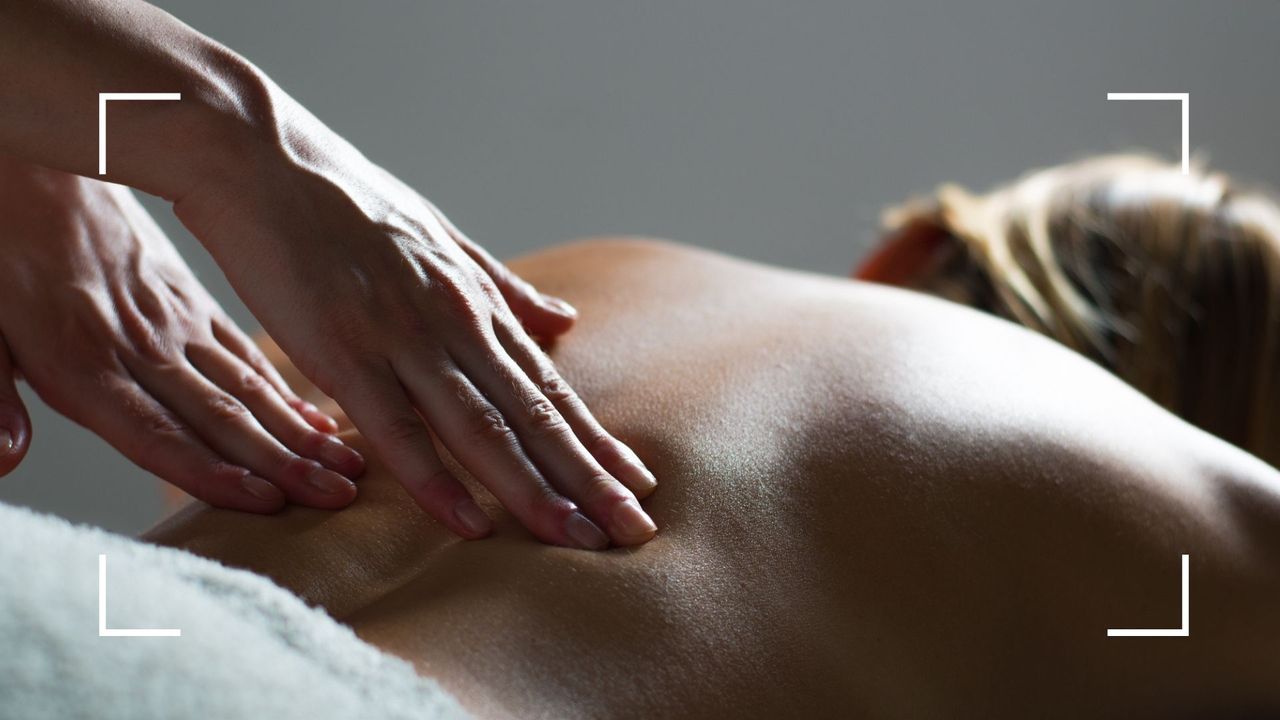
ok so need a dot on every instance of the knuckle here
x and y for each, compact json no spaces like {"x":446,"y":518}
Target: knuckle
{"x":455,"y":292}
{"x":545,"y":502}
{"x":226,"y":408}
{"x":491,"y":425}
{"x":490,"y":287}
{"x":149,"y":302}
{"x":295,"y":469}
{"x":604,"y":447}
{"x":150,"y":338}
{"x":311,"y":442}
{"x":462,"y":300}
{"x":163,"y":425}
{"x":461,"y":389}
{"x":160,"y":432}
{"x":149,"y":343}
{"x":261,"y":364}
{"x":544,"y":418}
{"x":251,"y":383}
{"x":555,"y":388}
{"x":601,"y":490}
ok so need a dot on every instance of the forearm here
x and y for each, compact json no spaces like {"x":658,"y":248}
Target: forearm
{"x":58,"y":55}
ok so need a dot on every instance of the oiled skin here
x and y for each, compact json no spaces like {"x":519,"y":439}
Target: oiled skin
{"x":870,"y":504}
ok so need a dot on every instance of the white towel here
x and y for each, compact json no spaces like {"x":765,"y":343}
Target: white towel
{"x":248,"y":648}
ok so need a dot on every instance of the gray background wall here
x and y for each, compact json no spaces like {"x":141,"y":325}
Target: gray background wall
{"x":772,"y":130}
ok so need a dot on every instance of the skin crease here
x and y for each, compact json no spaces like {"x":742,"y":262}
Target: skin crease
{"x":875,"y":504}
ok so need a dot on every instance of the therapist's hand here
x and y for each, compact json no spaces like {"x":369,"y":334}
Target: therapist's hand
{"x":106,"y":322}
{"x":415,"y":331}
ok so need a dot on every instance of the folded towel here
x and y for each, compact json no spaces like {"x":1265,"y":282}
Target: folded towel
{"x":248,"y":648}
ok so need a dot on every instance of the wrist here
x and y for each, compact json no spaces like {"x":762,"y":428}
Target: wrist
{"x":249,"y":133}
{"x":231,"y":119}
{"x":227,"y":111}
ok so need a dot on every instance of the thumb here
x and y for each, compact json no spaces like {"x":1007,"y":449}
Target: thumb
{"x":15,"y":424}
{"x":542,"y":315}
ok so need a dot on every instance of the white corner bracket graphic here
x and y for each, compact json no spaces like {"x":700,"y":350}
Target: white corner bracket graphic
{"x":1183,"y":631}
{"x":103,"y":630}
{"x":1185,"y":99}
{"x":103,"y":98}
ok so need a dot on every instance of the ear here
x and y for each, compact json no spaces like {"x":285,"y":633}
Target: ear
{"x":913,"y":244}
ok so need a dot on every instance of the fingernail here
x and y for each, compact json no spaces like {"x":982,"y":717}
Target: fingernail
{"x":340,"y":457}
{"x":647,"y":481}
{"x":330,"y":423}
{"x":260,"y":488}
{"x":632,"y":523}
{"x":560,"y":306}
{"x":6,"y":441}
{"x":472,"y":517}
{"x":314,"y":416}
{"x":327,"y":481}
{"x":585,"y":533}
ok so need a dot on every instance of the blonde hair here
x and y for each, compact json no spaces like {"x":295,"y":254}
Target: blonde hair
{"x":1169,"y":280}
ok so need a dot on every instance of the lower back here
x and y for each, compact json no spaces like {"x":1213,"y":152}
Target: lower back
{"x":869,"y":503}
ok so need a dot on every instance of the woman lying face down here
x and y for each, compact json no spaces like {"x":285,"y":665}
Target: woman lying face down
{"x":1170,"y":280}
{"x":871,"y":504}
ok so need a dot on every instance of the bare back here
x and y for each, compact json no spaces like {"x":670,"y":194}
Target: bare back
{"x":870,"y":503}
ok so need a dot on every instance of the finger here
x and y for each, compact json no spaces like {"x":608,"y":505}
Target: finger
{"x":479,"y":437}
{"x":247,"y":385}
{"x":552,"y":443}
{"x":15,"y":423}
{"x":544,"y":315}
{"x":227,"y":426}
{"x":614,"y":455}
{"x":247,"y":350}
{"x":136,"y":424}
{"x":377,"y":405}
